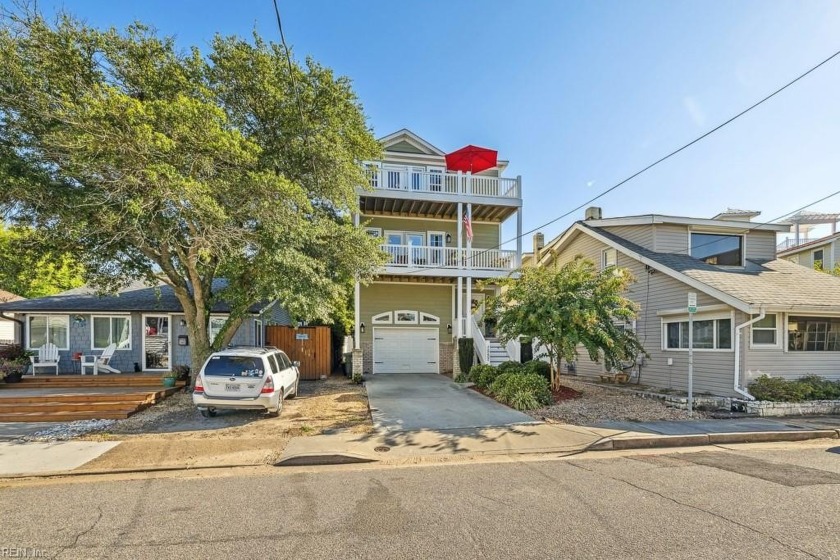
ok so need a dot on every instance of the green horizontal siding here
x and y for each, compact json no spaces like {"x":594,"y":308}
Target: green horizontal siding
{"x":428,"y":298}
{"x":485,"y":235}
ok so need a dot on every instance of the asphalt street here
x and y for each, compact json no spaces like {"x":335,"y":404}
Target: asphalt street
{"x":742,"y":502}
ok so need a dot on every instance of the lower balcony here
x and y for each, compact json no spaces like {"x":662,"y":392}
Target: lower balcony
{"x":449,"y":261}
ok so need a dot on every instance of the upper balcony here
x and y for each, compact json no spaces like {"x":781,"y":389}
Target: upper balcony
{"x":435,"y":193}
{"x":449,"y":261}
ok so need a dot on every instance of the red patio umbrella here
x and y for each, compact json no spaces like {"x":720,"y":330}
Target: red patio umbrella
{"x":471,"y":158}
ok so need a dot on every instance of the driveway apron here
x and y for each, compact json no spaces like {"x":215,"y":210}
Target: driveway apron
{"x":401,"y":402}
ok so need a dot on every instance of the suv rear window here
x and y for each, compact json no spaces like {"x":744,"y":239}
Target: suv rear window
{"x":240,"y":366}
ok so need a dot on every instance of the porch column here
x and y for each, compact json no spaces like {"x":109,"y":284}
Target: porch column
{"x":459,"y":308}
{"x":796,"y":230}
{"x":468,"y":309}
{"x":358,"y":316}
{"x":357,"y":298}
{"x":518,"y":237}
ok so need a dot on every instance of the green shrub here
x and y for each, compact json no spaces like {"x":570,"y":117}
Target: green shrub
{"x":483,"y":375}
{"x":523,"y":400}
{"x":506,"y":367}
{"x":514,"y":383}
{"x":820,"y":388}
{"x":539,"y":367}
{"x":811,"y":387}
{"x":466,"y":355}
{"x":461,"y":378}
{"x":499,"y":384}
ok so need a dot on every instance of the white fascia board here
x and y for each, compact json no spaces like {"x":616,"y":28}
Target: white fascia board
{"x":405,"y":134}
{"x":717,"y":308}
{"x":679,"y":276}
{"x":660,"y":219}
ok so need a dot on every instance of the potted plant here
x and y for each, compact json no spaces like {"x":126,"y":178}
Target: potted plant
{"x":169,"y":378}
{"x":13,"y":363}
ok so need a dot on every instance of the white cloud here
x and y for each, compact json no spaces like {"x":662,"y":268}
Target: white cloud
{"x":694,"y":110}
{"x":590,"y":183}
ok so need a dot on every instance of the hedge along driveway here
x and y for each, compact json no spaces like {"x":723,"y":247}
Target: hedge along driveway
{"x":401,"y":402}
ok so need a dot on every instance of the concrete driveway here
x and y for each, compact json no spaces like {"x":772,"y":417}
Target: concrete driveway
{"x":401,"y":402}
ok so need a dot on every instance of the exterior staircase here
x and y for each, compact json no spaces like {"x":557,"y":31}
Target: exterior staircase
{"x":497,"y":352}
{"x":73,"y":397}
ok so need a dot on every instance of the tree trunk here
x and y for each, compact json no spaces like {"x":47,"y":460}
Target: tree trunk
{"x":199,"y":348}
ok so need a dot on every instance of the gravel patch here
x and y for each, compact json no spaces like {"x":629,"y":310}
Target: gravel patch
{"x":602,"y":403}
{"x":69,"y":430}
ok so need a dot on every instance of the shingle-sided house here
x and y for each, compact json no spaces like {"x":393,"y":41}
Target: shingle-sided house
{"x":755,"y":314}
{"x":146,"y":323}
{"x":9,"y":332}
{"x":427,"y":294}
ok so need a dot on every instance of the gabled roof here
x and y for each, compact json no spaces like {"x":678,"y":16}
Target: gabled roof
{"x":407,"y":137}
{"x":648,"y":219}
{"x":809,"y":245}
{"x":9,"y":296}
{"x":775,"y":285}
{"x":138,"y":297}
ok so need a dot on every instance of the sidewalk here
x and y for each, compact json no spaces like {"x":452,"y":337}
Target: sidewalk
{"x":18,"y":458}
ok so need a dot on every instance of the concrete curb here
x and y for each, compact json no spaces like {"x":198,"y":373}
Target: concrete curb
{"x":305,"y":460}
{"x":693,"y":440}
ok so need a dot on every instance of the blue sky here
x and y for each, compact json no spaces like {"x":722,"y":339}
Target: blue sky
{"x":577,"y":95}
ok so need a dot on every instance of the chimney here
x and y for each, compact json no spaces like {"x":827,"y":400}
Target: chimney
{"x":592,"y":213}
{"x":539,"y":243}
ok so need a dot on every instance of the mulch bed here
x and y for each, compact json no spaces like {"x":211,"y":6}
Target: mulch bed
{"x":565,"y":393}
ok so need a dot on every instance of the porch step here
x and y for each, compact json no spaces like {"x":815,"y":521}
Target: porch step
{"x":65,"y":416}
{"x":68,"y":407}
{"x":58,"y":381}
{"x":90,"y":397}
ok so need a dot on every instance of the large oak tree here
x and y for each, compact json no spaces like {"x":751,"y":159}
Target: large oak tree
{"x":180,"y":167}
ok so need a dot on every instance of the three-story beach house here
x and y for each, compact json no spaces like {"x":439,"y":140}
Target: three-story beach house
{"x":442,"y":231}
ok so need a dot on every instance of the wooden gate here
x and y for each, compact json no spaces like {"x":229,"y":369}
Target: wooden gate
{"x":311,"y":346}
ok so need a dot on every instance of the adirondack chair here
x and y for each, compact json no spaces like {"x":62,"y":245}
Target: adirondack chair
{"x":47,"y":358}
{"x":101,"y":362}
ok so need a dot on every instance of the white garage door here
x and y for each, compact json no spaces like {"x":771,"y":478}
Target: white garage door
{"x":405,"y":350}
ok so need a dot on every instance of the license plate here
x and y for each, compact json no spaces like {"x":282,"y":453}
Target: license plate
{"x":231,"y":387}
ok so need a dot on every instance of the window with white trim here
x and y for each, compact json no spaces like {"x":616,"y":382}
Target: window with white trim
{"x":382,"y":319}
{"x":608,"y":258}
{"x":813,"y":334}
{"x":765,"y":332}
{"x":258,"y":333}
{"x":818,"y":261}
{"x":107,"y":330}
{"x":405,"y":317}
{"x":428,"y":319}
{"x":716,"y":248}
{"x":214,"y":327}
{"x":48,"y":328}
{"x":709,"y":334}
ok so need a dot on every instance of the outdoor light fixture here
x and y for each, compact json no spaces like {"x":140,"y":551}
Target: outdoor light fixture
{"x":362,"y":328}
{"x":449,"y":328}
{"x":79,"y":320}
{"x":183,"y":323}
{"x":449,"y":238}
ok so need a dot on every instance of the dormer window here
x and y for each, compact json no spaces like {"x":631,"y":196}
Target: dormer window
{"x":719,"y":249}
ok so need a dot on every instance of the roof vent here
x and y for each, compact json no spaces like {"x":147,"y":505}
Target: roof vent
{"x":593,"y":213}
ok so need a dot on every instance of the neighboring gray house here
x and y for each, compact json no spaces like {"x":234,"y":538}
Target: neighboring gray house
{"x":9,"y":331}
{"x":146,"y":323}
{"x":756,"y":314}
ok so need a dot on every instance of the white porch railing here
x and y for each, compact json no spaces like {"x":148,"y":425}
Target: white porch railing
{"x":449,"y":257}
{"x":482,"y":347}
{"x":514,"y":350}
{"x":792,"y":242}
{"x":385,"y":178}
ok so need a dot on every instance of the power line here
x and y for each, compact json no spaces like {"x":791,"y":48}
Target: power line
{"x":297,"y":93}
{"x":654,"y":164}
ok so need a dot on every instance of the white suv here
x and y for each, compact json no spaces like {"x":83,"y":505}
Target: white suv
{"x":246,"y":378}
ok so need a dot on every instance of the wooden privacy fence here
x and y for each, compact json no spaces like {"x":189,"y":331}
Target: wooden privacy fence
{"x":311,"y":346}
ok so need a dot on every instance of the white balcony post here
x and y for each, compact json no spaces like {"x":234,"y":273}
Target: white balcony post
{"x":518,"y":237}
{"x":459,"y":187}
{"x":459,"y":308}
{"x":519,"y":186}
{"x":469,"y":183}
{"x":469,"y":267}
{"x":357,"y":343}
{"x":460,"y":251}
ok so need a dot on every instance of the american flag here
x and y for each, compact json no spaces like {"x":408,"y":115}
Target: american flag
{"x":468,"y":227}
